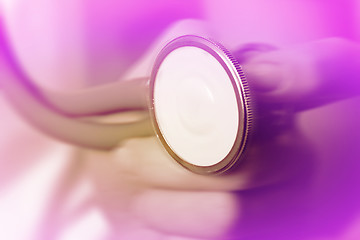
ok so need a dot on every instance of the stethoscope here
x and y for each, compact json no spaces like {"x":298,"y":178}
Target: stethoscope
{"x":197,"y":96}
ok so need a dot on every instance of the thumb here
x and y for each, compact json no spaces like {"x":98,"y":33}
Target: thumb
{"x":307,"y":75}
{"x":281,"y":76}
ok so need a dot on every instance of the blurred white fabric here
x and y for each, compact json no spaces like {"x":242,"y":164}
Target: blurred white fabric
{"x":25,"y":194}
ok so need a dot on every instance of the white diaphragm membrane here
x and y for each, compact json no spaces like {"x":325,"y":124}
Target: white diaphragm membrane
{"x":196,"y":107}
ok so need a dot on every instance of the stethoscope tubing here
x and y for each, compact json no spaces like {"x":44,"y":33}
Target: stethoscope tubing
{"x":58,"y":114}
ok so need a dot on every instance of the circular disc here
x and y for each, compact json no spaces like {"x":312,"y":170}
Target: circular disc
{"x":200,"y":104}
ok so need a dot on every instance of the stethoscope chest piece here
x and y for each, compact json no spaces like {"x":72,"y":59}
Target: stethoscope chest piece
{"x":200,"y":105}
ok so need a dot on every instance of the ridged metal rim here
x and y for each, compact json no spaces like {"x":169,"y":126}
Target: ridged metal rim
{"x":241,"y":89}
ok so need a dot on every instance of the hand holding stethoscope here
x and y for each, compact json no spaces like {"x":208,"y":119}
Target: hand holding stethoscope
{"x":272,"y":154}
{"x":197,"y":94}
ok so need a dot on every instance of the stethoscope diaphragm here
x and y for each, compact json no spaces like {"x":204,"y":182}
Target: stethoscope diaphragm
{"x":200,"y":105}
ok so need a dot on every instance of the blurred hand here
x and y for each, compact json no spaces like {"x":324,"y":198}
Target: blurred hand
{"x":297,"y":183}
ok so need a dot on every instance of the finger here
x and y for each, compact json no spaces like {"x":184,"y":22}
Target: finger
{"x":190,"y":214}
{"x":264,"y":76}
{"x":144,"y":162}
{"x":281,"y":75}
{"x":307,"y":75}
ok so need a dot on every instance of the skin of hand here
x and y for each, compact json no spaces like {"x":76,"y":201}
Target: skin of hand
{"x":300,"y":182}
{"x":286,"y":185}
